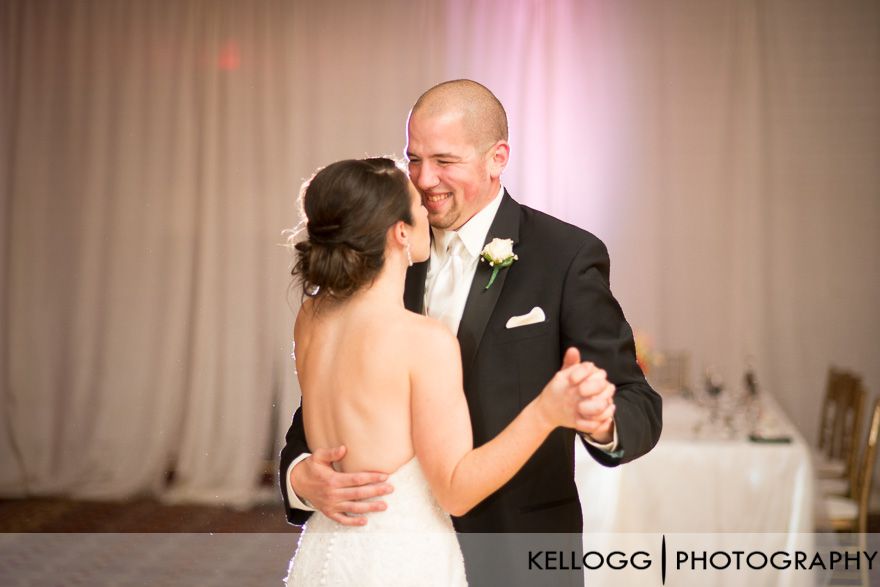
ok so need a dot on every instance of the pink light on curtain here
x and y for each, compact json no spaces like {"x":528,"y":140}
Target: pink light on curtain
{"x":229,"y":57}
{"x":551,"y":66}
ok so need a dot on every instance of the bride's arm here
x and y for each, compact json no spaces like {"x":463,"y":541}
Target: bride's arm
{"x":461,"y":476}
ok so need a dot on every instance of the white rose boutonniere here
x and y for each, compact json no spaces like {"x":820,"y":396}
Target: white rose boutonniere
{"x":499,"y":254}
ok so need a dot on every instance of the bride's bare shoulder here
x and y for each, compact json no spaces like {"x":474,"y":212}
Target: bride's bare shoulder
{"x":304,"y":315}
{"x":429,"y":335}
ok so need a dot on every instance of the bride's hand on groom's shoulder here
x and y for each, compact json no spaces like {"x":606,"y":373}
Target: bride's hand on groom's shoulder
{"x":338,"y":495}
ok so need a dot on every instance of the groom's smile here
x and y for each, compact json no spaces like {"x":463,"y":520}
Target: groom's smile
{"x":436,"y":202}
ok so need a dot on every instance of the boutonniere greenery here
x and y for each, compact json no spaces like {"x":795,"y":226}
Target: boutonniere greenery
{"x":498,"y":254}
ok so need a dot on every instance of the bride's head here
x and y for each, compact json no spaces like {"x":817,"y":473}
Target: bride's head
{"x":360,"y":214}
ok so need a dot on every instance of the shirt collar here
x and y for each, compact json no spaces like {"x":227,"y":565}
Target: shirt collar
{"x":473,"y":232}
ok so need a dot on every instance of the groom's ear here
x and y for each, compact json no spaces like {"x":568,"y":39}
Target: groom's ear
{"x":497,"y":157}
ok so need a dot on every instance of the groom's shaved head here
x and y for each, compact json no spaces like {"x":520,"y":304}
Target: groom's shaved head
{"x":482,"y":114}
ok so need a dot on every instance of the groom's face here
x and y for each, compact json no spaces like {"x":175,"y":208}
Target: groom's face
{"x":451,"y":174}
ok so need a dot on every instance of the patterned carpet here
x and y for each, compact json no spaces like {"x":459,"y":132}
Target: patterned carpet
{"x":144,"y":515}
{"x":61,"y":542}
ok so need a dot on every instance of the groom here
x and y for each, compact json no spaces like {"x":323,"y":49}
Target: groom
{"x":512,"y":334}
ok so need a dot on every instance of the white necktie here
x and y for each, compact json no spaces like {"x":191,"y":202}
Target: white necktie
{"x":441,"y":301}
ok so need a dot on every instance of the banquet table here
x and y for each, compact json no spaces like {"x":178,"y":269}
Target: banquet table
{"x":721,"y":478}
{"x":706,"y":475}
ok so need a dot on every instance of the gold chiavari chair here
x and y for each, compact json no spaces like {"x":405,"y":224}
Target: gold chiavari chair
{"x":852,"y":431}
{"x":850,"y":513}
{"x":829,"y":409}
{"x":842,"y":412}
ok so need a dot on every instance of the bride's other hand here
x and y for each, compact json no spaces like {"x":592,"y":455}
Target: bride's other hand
{"x":558,"y":402}
{"x":338,"y":495}
{"x":580,"y":396}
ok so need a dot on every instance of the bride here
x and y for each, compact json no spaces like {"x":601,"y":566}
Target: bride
{"x":387,"y":384}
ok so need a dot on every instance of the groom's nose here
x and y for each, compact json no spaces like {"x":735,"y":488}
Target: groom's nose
{"x":426,"y":176}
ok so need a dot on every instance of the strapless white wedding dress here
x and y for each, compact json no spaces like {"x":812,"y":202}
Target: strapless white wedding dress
{"x":412,"y":542}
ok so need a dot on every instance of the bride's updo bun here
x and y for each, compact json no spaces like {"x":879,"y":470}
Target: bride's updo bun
{"x":349,"y":207}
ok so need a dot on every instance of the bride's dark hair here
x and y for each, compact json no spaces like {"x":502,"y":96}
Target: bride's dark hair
{"x":349,"y":207}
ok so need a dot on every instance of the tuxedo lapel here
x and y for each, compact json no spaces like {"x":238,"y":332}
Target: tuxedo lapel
{"x":414,"y":288}
{"x":481,"y":301}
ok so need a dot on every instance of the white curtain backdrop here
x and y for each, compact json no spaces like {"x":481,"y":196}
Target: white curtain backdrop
{"x":151,"y":152}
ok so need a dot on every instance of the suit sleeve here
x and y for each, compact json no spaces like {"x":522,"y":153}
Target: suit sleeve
{"x":593,"y":321}
{"x":294,"y":445}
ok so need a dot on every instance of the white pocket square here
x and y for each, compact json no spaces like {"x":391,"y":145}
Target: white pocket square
{"x":533,"y":317}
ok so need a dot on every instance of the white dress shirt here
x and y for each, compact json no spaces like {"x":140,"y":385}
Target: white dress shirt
{"x":472,"y":235}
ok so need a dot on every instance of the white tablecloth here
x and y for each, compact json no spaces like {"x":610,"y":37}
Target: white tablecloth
{"x":704,"y":477}
{"x":705,"y":485}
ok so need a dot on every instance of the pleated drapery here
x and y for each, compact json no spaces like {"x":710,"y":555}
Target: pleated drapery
{"x":151,"y":153}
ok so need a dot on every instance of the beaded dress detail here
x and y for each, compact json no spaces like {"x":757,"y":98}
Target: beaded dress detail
{"x":412,"y":542}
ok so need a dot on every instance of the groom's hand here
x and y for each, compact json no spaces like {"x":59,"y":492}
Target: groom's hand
{"x":334,"y":494}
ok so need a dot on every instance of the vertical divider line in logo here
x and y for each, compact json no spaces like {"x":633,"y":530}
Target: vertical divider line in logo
{"x":663,"y":561}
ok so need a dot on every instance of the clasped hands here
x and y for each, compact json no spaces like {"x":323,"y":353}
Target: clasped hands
{"x":583,"y":389}
{"x":590,"y":397}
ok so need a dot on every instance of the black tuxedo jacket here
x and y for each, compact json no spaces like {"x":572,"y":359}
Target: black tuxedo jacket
{"x":565,"y":271}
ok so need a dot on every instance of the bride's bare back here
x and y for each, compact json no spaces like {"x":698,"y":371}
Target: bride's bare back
{"x":353,"y":365}
{"x":387,"y":384}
